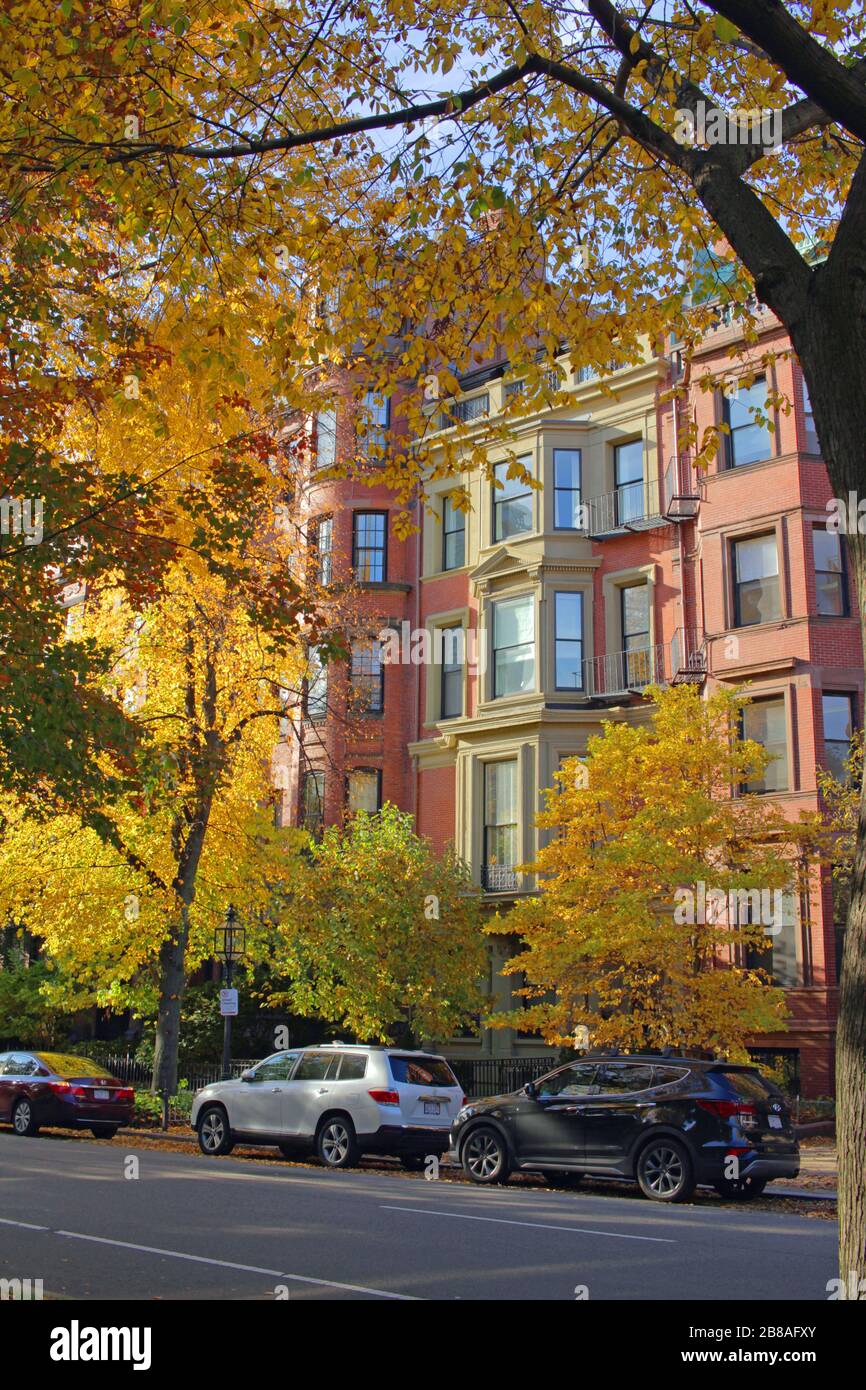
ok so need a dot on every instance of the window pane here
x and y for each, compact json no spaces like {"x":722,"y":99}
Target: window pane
{"x":452,"y":673}
{"x":512,"y":503}
{"x":566,"y":484}
{"x":830,"y":588}
{"x":764,"y":722}
{"x":317,"y":686}
{"x":757,"y":581}
{"x":364,"y":790}
{"x":500,"y":801}
{"x":513,"y":645}
{"x":367,"y":677}
{"x":369,"y":546}
{"x":838,"y":731}
{"x":353,"y":1066}
{"x":326,"y":438}
{"x":454,"y":528}
{"x":313,"y":801}
{"x":575,"y":1080}
{"x":749,"y":441}
{"x":635,"y":616}
{"x":628,"y":459}
{"x":568,"y":628}
{"x":323,"y":538}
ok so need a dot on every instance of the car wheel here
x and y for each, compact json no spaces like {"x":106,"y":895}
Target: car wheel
{"x":665,"y":1172}
{"x":24,"y":1118}
{"x":214,"y":1135}
{"x":104,"y":1131}
{"x":563,"y":1179}
{"x":336,"y":1143}
{"x":484,"y":1155}
{"x":740,"y":1189}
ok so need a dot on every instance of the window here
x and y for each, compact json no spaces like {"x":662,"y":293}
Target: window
{"x":353,"y":1066}
{"x":326,"y":438}
{"x":367,"y":677}
{"x":464,"y":412}
{"x":369,"y":546}
{"x":831,"y":585}
{"x":748,"y":440}
{"x":566,"y":490}
{"x":277,"y":1068}
{"x":313,"y":801}
{"x":838,"y":712}
{"x":812,"y":445}
{"x":777,"y":953}
{"x":512,"y":503}
{"x":513,"y":645}
{"x":421,"y":1071}
{"x":764,"y":721}
{"x":756,"y":581}
{"x":452,"y":672}
{"x":668,"y":1076}
{"x":575,"y":1080}
{"x":628,"y":479}
{"x":365,"y":790}
{"x":624,"y":1077}
{"x":317,"y":1066}
{"x":321,"y":540}
{"x":568,"y":640}
{"x":316,"y":686}
{"x":453,"y":536}
{"x":375,"y":423}
{"x":635,"y":626}
{"x":500,"y":826}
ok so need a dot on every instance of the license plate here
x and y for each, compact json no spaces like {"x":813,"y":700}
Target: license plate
{"x":775,"y":1122}
{"x":431,"y":1107}
{"x":101,"y":1095}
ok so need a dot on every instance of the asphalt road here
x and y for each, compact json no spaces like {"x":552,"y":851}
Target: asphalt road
{"x":190,"y":1228}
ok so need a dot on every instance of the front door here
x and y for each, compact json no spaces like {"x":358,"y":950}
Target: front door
{"x":258,"y":1106}
{"x":549,"y":1127}
{"x":613,"y":1117}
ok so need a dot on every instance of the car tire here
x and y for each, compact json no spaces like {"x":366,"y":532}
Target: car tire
{"x":104,"y":1131}
{"x":24,"y":1118}
{"x":665,"y":1172}
{"x":563,"y":1179}
{"x":214,"y":1134}
{"x":337,"y":1143}
{"x":484,"y":1155}
{"x":740,"y":1189}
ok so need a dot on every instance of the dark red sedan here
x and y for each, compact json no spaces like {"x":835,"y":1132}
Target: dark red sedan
{"x":48,"y":1088}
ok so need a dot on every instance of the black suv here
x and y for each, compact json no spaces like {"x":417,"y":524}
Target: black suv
{"x":667,"y":1122}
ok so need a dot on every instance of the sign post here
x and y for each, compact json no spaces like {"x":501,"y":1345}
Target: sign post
{"x":229,"y":945}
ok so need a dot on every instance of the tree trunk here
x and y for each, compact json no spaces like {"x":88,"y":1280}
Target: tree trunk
{"x":172,"y":983}
{"x":830,"y":344}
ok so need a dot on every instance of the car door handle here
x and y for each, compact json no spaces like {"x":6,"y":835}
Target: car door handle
{"x":275,"y":1090}
{"x":567,"y":1109}
{"x":323,"y":1090}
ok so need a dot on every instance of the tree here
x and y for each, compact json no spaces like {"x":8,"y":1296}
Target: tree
{"x":293,"y":148}
{"x":654,"y":886}
{"x":382,"y":936}
{"x":126,"y":895}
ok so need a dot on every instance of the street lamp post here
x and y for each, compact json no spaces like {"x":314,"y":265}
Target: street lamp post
{"x":229,"y":942}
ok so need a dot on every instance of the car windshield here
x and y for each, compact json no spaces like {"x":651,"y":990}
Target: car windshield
{"x":422,"y":1071}
{"x":69,"y":1067}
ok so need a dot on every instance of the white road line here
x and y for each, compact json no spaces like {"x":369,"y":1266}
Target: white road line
{"x":536,"y":1225}
{"x":25,"y":1225}
{"x":221,"y":1264}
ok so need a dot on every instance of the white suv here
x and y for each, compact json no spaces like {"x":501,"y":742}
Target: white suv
{"x":341,"y":1100}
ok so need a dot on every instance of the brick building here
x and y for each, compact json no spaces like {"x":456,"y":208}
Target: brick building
{"x":548,"y":610}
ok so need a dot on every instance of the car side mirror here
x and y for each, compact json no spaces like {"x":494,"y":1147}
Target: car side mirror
{"x":248,"y":1075}
{"x":531,"y":1090}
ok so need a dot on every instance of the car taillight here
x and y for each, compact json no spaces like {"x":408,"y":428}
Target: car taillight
{"x":126,"y":1094}
{"x":746,"y":1115}
{"x":80,"y":1092}
{"x":723,"y":1109}
{"x":463,"y":1102}
{"x":59,"y":1087}
{"x":385,"y":1097}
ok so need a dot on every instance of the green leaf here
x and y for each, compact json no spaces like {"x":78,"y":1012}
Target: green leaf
{"x":726,"y":31}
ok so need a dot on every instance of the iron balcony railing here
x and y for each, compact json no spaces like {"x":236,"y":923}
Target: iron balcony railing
{"x":618,"y":673}
{"x":630,"y":507}
{"x":499,"y":878}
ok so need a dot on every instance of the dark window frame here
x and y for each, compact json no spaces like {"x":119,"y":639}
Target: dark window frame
{"x":851,"y":697}
{"x":737,"y":584}
{"x":324,"y":559}
{"x":841,"y":573}
{"x":448,"y":509}
{"x":496,"y":694}
{"x":451,"y":668}
{"x":747,"y":789}
{"x":373,"y":681}
{"x":730,"y":437}
{"x":501,"y":499}
{"x":367,"y":549}
{"x":313,"y":775}
{"x":571,"y":641}
{"x":569,"y":490}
